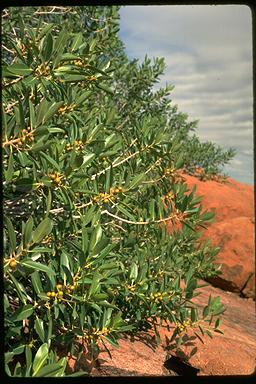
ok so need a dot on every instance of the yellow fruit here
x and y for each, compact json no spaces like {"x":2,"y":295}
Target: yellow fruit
{"x":13,"y":264}
{"x":48,"y":294}
{"x":59,"y":287}
{"x":58,"y":180}
{"x":53,"y":294}
{"x":60,"y":294}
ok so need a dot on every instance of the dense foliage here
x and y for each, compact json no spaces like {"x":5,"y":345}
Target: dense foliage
{"x":91,"y":166}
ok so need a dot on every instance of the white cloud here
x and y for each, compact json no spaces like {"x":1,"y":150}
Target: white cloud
{"x":208,"y":52}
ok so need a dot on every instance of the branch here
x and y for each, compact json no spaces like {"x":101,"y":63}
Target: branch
{"x":114,"y":165}
{"x":137,"y":222}
{"x":7,"y":49}
{"x":120,"y":162}
{"x":13,"y":82}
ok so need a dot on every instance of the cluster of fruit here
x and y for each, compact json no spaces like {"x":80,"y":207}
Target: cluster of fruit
{"x":132,"y":288}
{"x":60,"y":290}
{"x":42,"y":70}
{"x":174,"y":174}
{"x":104,"y":197}
{"x":158,"y":297}
{"x":94,"y":334}
{"x":169,"y":171}
{"x":77,"y":145}
{"x":56,"y":178}
{"x":184,"y":325}
{"x":66,"y":108}
{"x":169,"y":196}
{"x":78,"y":63}
{"x":22,"y":47}
{"x":13,"y":264}
{"x":27,"y":137}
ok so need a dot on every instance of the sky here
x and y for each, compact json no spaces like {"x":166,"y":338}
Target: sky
{"x":208,"y":53}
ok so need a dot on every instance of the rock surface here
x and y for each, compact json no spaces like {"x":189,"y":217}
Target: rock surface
{"x":230,"y":354}
{"x":233,"y":231}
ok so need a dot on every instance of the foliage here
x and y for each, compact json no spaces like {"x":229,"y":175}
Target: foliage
{"x":92,"y":178}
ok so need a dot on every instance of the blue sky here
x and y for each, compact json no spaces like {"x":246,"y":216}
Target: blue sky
{"x":208,"y":52}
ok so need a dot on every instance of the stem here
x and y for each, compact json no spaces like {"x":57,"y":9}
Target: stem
{"x":136,"y":222}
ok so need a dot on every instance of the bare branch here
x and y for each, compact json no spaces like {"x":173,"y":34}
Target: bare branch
{"x":137,"y":222}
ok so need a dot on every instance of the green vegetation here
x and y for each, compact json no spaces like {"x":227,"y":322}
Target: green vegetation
{"x":92,"y":161}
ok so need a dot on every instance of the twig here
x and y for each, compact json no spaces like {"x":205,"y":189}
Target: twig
{"x":13,"y":82}
{"x":113,"y":165}
{"x":7,"y":49}
{"x":136,"y":222}
{"x":64,"y":10}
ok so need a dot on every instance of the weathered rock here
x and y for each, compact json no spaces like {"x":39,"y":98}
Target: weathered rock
{"x":228,"y":200}
{"x":230,"y":354}
{"x":233,"y":231}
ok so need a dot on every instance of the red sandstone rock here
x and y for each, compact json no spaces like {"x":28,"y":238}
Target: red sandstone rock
{"x":232,"y":230}
{"x":228,"y":200}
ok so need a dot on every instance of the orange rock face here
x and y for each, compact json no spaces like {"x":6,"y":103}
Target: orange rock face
{"x":233,"y":231}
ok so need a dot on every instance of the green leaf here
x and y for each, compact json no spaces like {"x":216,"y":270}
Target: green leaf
{"x":23,"y":313}
{"x":24,"y":184}
{"x":12,"y":235}
{"x":32,"y":118}
{"x":49,"y":330}
{"x":152,"y":209}
{"x":96,"y":237}
{"x":45,"y":30}
{"x":48,"y":47}
{"x":28,"y":354}
{"x":36,"y":282}
{"x":40,"y":146}
{"x":41,"y":111}
{"x":40,"y":358}
{"x":206,"y":311}
{"x":134,"y":271}
{"x":217,"y":323}
{"x":43,"y":229}
{"x":125,"y":212}
{"x":19,"y":69}
{"x":27,"y":235}
{"x":77,"y":41}
{"x":60,"y":44}
{"x":39,"y":327}
{"x":37,"y":266}
{"x":18,"y":350}
{"x":112,"y":341}
{"x":207,"y":216}
{"x":136,"y":181}
{"x":9,"y":171}
{"x":53,"y":370}
{"x":94,"y":286}
{"x":48,"y":202}
{"x":51,"y":111}
{"x":20,"y":289}
{"x":104,"y":88}
{"x":50,"y":160}
{"x":84,"y":239}
{"x":84,"y":96}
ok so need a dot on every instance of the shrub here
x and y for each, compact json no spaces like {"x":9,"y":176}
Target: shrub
{"x":91,"y":181}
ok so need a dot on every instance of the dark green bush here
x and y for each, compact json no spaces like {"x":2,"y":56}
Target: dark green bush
{"x":91,"y":179}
